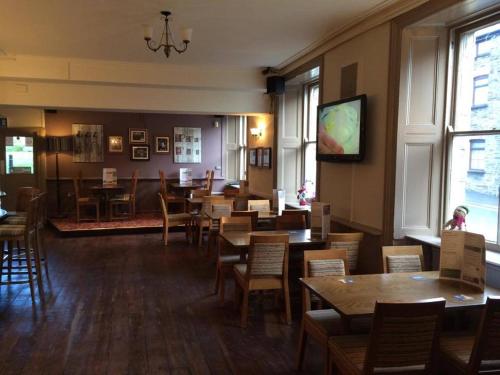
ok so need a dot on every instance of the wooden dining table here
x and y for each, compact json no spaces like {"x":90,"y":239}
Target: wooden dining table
{"x":107,"y":190}
{"x":356,"y":295}
{"x":239,"y":239}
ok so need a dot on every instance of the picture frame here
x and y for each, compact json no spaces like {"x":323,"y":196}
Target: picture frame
{"x":137,"y":136}
{"x":115,"y":144}
{"x":162,"y":145}
{"x":139,"y":153}
{"x":266,"y":157}
{"x":259,"y":157}
{"x":253,"y":157}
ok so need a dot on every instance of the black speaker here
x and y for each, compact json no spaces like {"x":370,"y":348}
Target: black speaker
{"x":275,"y":85}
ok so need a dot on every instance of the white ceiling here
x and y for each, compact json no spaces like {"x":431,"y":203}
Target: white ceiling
{"x":246,"y":33}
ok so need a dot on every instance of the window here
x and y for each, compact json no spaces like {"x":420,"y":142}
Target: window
{"x":242,"y":147}
{"x":480,"y":94}
{"x":235,"y":145}
{"x":19,"y":155}
{"x":476,"y":155}
{"x":475,"y":138}
{"x":311,"y":101}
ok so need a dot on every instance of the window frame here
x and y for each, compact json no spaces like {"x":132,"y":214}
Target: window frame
{"x":473,"y":142}
{"x":476,"y":86}
{"x":306,"y":126}
{"x":450,"y":132}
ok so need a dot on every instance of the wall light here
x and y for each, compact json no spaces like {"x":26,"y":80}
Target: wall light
{"x":256,"y":132}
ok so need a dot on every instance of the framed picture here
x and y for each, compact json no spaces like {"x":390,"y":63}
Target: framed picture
{"x":259,"y":157}
{"x":139,"y":152}
{"x":115,"y":143}
{"x":253,"y":156}
{"x":162,"y":145}
{"x":266,"y":157}
{"x":187,"y":145}
{"x":137,"y":136}
{"x":88,"y":143}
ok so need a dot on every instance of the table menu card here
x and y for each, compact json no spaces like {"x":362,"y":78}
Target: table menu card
{"x":185,"y":176}
{"x":109,"y":176}
{"x":278,"y":200}
{"x":463,"y":257}
{"x":320,"y":220}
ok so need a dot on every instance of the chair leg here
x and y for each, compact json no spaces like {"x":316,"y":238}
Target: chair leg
{"x":165,"y":235}
{"x":30,"y":269}
{"x":77,"y":213}
{"x":302,"y":346}
{"x":10,"y":254}
{"x":41,"y":247}
{"x":38,"y":264}
{"x":217,"y":278}
{"x":244,"y":309}
{"x":200,"y":234}
{"x":97,"y":212}
{"x":286,"y":295}
{"x":222,"y":287}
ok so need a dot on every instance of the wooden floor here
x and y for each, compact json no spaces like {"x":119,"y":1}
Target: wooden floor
{"x":127,"y":305}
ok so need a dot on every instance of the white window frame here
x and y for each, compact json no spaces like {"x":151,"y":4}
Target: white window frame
{"x":307,"y":88}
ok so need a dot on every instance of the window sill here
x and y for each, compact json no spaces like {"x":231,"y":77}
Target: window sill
{"x":296,"y":205}
{"x":476,"y":171}
{"x":479,"y":106}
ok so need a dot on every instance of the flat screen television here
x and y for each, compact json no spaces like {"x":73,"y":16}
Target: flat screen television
{"x":341,"y":130}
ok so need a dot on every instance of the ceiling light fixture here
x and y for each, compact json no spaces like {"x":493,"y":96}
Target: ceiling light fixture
{"x":169,"y":42}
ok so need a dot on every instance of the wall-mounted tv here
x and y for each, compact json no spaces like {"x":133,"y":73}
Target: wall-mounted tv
{"x":341,"y":130}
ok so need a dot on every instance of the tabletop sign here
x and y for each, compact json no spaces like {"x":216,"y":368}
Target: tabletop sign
{"x":278,"y":200}
{"x":109,"y":176}
{"x":320,"y":219}
{"x":185,"y":176}
{"x":463,"y":257}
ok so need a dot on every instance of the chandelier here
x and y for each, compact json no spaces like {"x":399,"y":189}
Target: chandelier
{"x":167,"y":40}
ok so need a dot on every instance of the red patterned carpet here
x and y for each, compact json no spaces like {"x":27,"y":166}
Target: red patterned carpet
{"x":142,"y":221}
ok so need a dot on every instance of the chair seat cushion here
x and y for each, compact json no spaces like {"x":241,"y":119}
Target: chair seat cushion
{"x":15,"y":220}
{"x":327,"y":320}
{"x":179,"y":217}
{"x":11,"y":230}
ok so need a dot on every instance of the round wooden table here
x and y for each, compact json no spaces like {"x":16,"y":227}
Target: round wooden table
{"x":106,"y":190}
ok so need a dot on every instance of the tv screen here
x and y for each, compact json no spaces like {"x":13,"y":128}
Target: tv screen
{"x":341,"y":130}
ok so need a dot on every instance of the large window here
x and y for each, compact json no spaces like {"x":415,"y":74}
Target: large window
{"x":19,"y":155}
{"x":311,"y":101}
{"x":474,"y":165}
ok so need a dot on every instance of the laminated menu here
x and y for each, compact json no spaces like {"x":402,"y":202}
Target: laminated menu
{"x":278,"y":200}
{"x":463,"y":257}
{"x":320,"y":220}
{"x":109,"y":176}
{"x":185,"y":176}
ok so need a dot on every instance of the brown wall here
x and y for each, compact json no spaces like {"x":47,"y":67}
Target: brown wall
{"x":118,"y":123}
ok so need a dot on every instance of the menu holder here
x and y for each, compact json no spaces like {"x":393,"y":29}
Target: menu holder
{"x":109,"y":176}
{"x":320,"y":220}
{"x":185,"y":176}
{"x":278,"y":201}
{"x":463,"y":258}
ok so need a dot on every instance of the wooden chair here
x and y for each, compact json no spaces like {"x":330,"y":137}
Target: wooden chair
{"x":27,"y":233}
{"x":173,"y":220}
{"x":324,"y":323}
{"x":290,"y":222}
{"x":253,"y":215}
{"x":403,"y":340}
{"x":226,"y":259}
{"x":209,"y":181}
{"x":220,"y":208}
{"x":304,"y":213}
{"x":479,"y":354}
{"x":84,"y":201}
{"x":23,"y":197}
{"x":259,"y":205}
{"x":170,"y":198}
{"x":349,"y":241}
{"x":267,"y":269}
{"x":201,"y":221}
{"x":402,"y":258}
{"x":127,"y":200}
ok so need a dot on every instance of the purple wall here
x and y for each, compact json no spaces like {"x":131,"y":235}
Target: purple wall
{"x":118,"y":123}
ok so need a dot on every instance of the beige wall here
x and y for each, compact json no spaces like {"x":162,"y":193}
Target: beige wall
{"x":23,"y":117}
{"x":261,"y":179}
{"x":356,"y":190}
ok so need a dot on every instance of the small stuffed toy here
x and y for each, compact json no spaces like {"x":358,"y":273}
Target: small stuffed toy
{"x":458,"y":218}
{"x":302,"y":195}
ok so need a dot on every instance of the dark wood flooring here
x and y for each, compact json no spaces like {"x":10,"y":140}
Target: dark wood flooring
{"x":127,"y":305}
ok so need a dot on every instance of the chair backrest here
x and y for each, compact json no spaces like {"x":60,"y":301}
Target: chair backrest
{"x":290,"y":222}
{"x":31,"y":215}
{"x":206,"y":205}
{"x":487,"y":344}
{"x":42,"y":210}
{"x":209,"y":177}
{"x":318,"y":263}
{"x":253,"y":215}
{"x":198,"y":193}
{"x":259,"y":205}
{"x":133,"y":184}
{"x":163,"y":185}
{"x":235,"y":224}
{"x":304,"y":213}
{"x":402,"y":258}
{"x":349,"y":241}
{"x":222,"y":208}
{"x":405,"y":336}
{"x":24,"y":195}
{"x":164,"y":210}
{"x":268,"y":256}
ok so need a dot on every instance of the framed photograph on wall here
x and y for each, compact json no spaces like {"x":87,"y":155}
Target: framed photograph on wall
{"x":162,"y":145}
{"x":88,"y":143}
{"x":139,"y":153}
{"x":253,"y":157}
{"x":115,"y":143}
{"x":136,"y":136}
{"x":259,"y":157}
{"x":187,"y":145}
{"x":266,"y":157}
